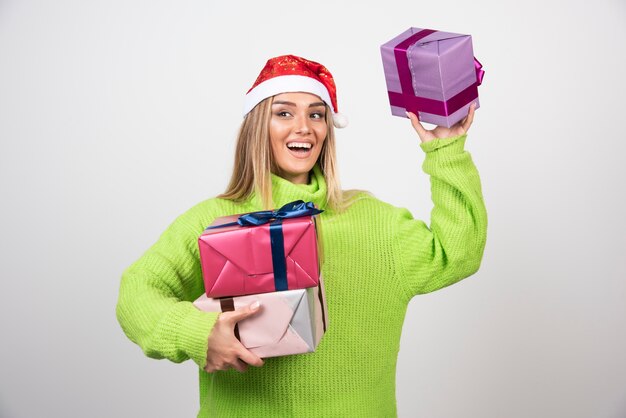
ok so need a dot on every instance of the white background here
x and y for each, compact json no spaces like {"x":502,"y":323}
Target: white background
{"x":117,"y":116}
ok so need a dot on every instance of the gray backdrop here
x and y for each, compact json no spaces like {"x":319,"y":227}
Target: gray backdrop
{"x":116,"y":116}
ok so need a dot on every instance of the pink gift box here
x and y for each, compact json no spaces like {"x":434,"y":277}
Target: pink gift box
{"x":241,"y":260}
{"x":432,"y":74}
{"x":288,"y":322}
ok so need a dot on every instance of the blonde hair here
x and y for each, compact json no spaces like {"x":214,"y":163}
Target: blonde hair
{"x":254,"y":161}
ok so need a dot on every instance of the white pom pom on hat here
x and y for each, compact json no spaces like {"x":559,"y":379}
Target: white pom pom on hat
{"x":290,"y":73}
{"x":340,"y":120}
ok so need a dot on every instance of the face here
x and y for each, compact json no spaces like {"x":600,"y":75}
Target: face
{"x":297,"y":132}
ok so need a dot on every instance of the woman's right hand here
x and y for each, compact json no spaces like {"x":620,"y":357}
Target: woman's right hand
{"x":225,"y":350}
{"x":459,"y":128}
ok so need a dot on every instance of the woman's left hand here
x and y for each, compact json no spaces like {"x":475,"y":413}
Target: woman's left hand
{"x":442,"y":132}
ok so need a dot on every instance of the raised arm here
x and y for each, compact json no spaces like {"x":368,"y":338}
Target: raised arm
{"x":451,"y":248}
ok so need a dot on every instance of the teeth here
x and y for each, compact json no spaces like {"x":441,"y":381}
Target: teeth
{"x":299,"y":145}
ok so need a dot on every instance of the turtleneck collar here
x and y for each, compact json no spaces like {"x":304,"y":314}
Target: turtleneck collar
{"x":284,"y":191}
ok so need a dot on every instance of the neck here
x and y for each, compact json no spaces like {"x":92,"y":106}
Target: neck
{"x":285,"y":190}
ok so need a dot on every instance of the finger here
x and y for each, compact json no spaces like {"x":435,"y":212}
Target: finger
{"x":239,"y":365}
{"x":467,"y":122}
{"x":241,"y":314}
{"x":250,"y":358}
{"x":416,"y":124}
{"x":212,"y":367}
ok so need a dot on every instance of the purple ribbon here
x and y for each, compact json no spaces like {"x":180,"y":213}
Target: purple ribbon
{"x":412,"y":103}
{"x":480,"y":73}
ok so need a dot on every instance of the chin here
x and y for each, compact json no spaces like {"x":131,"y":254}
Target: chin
{"x":296,"y":174}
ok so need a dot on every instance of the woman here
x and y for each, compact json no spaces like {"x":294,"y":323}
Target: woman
{"x":376,"y":258}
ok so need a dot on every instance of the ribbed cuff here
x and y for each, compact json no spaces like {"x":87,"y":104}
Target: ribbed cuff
{"x":194,"y":334}
{"x":450,"y":145}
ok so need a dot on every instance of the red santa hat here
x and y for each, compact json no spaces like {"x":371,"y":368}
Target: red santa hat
{"x":289,"y":73}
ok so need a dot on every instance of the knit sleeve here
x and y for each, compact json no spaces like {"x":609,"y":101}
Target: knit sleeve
{"x":155,"y":306}
{"x":451,"y":249}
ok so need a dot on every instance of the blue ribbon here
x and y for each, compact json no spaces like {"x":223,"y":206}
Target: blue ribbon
{"x":294,"y":209}
{"x":278,"y":255}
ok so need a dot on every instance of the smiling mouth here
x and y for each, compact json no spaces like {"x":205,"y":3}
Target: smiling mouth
{"x":300,"y":148}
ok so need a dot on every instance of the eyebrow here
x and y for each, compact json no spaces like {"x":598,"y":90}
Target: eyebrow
{"x":284,"y":102}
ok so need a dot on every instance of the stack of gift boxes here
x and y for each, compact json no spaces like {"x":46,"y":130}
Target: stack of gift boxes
{"x":271,"y":257}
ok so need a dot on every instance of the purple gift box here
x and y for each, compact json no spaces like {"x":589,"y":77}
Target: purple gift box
{"x":431,"y":73}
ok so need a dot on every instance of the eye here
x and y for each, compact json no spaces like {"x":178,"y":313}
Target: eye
{"x":283,"y":114}
{"x":317,"y":115}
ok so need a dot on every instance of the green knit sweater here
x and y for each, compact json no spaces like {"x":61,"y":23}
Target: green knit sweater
{"x":376,"y":258}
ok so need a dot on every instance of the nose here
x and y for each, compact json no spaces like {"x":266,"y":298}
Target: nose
{"x":302,"y":124}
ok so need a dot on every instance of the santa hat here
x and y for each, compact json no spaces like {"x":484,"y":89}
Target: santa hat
{"x":289,"y":73}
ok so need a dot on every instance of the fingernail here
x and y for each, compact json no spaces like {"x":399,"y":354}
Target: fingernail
{"x":255,"y":305}
{"x":407,"y":115}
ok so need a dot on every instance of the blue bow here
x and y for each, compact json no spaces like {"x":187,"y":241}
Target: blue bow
{"x":290,"y":210}
{"x":294,"y":209}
